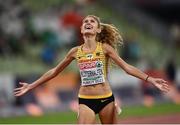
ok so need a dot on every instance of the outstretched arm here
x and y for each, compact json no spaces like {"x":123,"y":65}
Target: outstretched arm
{"x":131,"y":70}
{"x":48,"y":75}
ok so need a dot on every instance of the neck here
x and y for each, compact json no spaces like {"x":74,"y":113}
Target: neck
{"x":89,"y":41}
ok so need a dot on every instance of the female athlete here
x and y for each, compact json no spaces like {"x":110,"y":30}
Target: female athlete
{"x":93,"y":58}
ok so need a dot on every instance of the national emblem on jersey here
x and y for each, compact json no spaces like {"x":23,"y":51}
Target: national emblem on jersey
{"x":89,"y":56}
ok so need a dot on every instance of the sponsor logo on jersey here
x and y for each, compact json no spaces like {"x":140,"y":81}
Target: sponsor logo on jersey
{"x":87,"y":65}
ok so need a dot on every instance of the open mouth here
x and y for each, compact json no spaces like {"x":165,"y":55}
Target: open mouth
{"x":88,"y":26}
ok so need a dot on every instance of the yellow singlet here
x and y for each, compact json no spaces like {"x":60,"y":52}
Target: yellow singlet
{"x":92,"y":66}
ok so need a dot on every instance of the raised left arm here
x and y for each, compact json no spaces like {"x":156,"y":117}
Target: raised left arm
{"x":131,"y":70}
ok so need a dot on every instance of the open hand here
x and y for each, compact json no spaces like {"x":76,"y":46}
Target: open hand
{"x":22,"y":90}
{"x":160,"y":84}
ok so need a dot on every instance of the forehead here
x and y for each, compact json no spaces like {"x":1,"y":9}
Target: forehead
{"x":90,"y":18}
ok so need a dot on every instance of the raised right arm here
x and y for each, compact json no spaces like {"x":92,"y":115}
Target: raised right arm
{"x":48,"y":75}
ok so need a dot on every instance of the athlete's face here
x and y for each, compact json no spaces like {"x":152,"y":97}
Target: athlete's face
{"x":90,"y":26}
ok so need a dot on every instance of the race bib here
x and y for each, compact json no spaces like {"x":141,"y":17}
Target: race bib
{"x":91,"y":73}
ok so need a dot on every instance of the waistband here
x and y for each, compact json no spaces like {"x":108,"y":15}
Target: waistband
{"x":95,"y":96}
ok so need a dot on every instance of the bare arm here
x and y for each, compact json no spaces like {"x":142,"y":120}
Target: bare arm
{"x":48,"y":75}
{"x":131,"y":70}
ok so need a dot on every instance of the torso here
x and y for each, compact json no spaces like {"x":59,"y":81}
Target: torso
{"x":93,"y":75}
{"x":99,"y":89}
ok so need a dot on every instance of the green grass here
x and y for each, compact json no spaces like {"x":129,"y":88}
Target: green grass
{"x":63,"y":117}
{"x":71,"y":117}
{"x":158,"y":109}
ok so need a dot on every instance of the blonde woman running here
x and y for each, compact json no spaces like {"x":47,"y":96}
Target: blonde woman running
{"x":93,"y":57}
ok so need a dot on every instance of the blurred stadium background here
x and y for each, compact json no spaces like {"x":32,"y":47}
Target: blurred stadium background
{"x":36,"y":34}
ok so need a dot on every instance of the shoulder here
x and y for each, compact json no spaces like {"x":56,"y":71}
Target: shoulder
{"x":107,"y":48}
{"x":105,"y":45}
{"x":72,"y":52}
{"x":74,"y":49}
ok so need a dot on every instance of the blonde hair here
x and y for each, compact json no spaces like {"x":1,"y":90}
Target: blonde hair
{"x":109,"y":34}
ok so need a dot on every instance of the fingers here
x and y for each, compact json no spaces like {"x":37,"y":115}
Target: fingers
{"x":162,"y":80}
{"x":21,"y":90}
{"x":165,"y":88}
{"x":18,"y":94}
{"x":21,"y":83}
{"x":162,"y":85}
{"x":16,"y":89}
